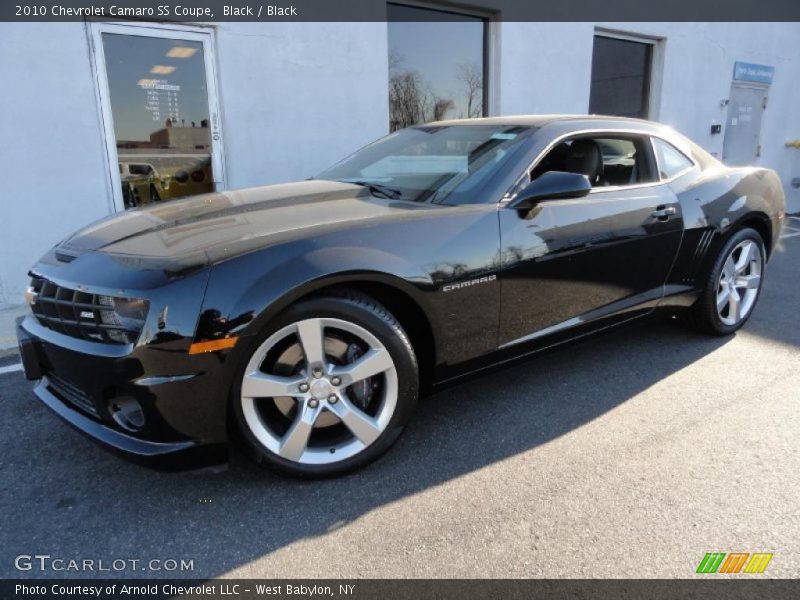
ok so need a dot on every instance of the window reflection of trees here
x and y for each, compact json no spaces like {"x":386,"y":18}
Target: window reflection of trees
{"x":412,"y":99}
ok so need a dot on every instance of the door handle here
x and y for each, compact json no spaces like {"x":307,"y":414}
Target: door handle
{"x":662,"y":213}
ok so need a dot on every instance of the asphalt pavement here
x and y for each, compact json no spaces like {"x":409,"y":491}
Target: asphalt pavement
{"x":631,"y":454}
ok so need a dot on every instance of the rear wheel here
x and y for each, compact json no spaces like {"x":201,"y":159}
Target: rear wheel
{"x":327,"y":388}
{"x":733,"y":287}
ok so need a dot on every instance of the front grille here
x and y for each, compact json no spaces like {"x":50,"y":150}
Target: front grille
{"x":78,"y":314}
{"x":73,"y":395}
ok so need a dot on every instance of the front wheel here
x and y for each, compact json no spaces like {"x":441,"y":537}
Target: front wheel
{"x":733,"y":287}
{"x":327,"y":388}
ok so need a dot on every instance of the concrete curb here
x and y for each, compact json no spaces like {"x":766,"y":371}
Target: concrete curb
{"x":5,"y":352}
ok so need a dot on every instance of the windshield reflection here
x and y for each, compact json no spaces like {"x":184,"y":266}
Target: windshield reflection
{"x":441,"y":164}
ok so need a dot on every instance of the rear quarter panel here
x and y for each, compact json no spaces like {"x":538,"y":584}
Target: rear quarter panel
{"x":716,"y":203}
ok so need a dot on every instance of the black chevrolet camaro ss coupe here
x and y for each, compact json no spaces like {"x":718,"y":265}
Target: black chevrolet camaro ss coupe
{"x":305,"y":319}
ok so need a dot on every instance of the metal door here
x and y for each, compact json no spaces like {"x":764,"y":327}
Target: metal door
{"x":743,"y":127}
{"x":572,"y":265}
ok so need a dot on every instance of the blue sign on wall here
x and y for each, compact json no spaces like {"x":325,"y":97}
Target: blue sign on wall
{"x":743,"y":71}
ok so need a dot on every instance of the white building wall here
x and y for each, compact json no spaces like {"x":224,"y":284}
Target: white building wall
{"x":544,"y":68}
{"x":297,"y":97}
{"x":55,"y":177}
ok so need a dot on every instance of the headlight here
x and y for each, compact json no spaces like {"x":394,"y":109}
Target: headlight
{"x":125,"y":315}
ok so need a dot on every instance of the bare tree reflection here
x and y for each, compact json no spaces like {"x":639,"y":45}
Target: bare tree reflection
{"x":440,"y":108}
{"x":471,"y":76}
{"x":408,"y":100}
{"x":412,"y":100}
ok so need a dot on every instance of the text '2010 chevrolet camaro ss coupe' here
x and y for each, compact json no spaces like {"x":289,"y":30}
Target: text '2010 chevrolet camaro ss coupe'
{"x":305,"y":319}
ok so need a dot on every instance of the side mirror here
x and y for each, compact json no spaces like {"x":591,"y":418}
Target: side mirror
{"x":552,"y":185}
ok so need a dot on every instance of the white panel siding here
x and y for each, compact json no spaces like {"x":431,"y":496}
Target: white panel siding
{"x":297,"y":97}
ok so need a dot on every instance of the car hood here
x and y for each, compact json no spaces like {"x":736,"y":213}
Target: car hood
{"x":218,"y":223}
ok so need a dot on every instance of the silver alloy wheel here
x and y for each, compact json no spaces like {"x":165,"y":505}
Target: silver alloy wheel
{"x":739,"y":281}
{"x":321,"y":386}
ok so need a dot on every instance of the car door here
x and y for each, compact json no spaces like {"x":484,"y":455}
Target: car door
{"x":571,"y":265}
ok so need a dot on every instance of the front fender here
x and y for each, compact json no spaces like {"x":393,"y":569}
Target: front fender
{"x":272,"y":279}
{"x":421,"y":258}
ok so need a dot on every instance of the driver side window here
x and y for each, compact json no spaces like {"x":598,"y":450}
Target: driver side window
{"x":607,"y":160}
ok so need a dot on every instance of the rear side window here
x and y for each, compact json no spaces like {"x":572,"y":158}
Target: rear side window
{"x":671,"y":161}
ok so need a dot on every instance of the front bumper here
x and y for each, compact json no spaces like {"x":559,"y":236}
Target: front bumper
{"x":182,"y":417}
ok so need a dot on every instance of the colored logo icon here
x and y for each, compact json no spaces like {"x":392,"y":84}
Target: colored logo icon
{"x":734,"y":562}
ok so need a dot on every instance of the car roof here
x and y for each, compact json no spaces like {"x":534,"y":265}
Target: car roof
{"x":564,"y":122}
{"x":539,"y":120}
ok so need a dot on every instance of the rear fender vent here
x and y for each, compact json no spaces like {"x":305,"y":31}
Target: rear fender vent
{"x":698,"y":259}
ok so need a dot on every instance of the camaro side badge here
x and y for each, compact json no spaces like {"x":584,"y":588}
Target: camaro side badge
{"x":457,"y":286}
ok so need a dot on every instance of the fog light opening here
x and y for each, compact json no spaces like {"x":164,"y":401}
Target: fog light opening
{"x":127,"y":413}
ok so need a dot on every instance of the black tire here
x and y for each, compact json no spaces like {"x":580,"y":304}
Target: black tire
{"x":703,"y":315}
{"x":365,"y":312}
{"x":154,"y":196}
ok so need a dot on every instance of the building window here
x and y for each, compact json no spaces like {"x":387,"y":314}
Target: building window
{"x":437,"y":65}
{"x":162,"y":129}
{"x":620,"y":77}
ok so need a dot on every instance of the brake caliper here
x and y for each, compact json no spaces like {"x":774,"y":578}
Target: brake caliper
{"x":360,"y":392}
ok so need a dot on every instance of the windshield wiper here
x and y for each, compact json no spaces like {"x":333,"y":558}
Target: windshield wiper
{"x":379,"y":190}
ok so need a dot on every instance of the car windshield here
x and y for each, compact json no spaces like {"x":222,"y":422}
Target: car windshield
{"x":443,"y":164}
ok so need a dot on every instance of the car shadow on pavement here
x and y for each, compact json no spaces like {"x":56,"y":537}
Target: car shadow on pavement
{"x":69,"y":496}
